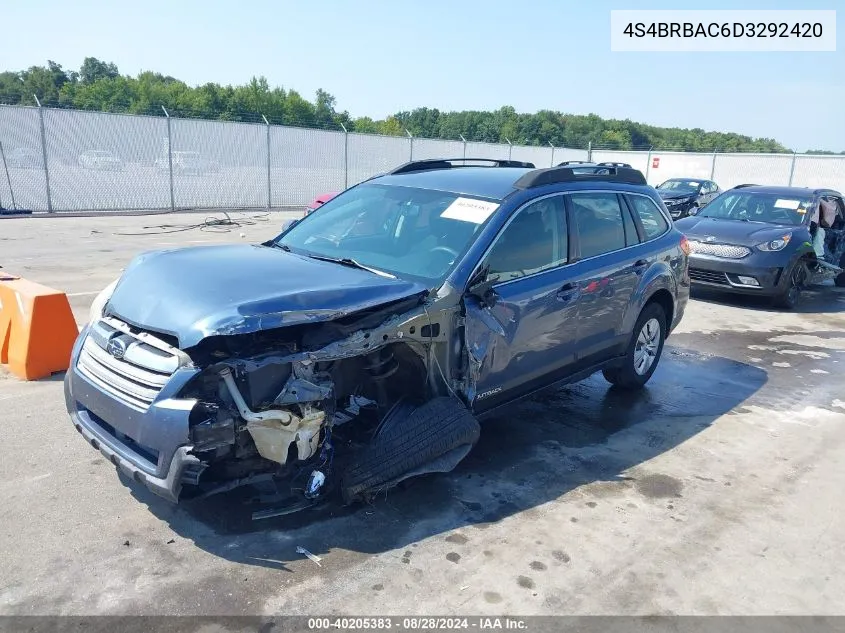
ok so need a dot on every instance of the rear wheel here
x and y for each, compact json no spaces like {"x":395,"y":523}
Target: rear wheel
{"x":643,"y":351}
{"x":790,"y":297}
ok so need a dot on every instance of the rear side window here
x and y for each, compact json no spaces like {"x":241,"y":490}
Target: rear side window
{"x":599,"y":220}
{"x":534,"y":240}
{"x":653,"y":221}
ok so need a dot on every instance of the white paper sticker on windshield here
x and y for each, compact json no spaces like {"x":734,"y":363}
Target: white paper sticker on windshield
{"x":693,"y":184}
{"x":787,"y":204}
{"x":469,"y":210}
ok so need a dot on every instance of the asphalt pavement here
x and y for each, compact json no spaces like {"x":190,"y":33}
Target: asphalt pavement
{"x":717,"y":490}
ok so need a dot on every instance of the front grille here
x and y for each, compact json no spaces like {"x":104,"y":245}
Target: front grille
{"x":133,"y":368}
{"x":728,"y":251}
{"x":708,"y":276}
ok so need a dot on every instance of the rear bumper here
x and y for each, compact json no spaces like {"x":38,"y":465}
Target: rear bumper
{"x":151,"y":447}
{"x":723,"y":275}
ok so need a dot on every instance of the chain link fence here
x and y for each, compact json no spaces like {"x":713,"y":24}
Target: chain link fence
{"x":70,"y":160}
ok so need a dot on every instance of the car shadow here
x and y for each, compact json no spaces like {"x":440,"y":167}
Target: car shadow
{"x":534,"y":453}
{"x":818,"y":299}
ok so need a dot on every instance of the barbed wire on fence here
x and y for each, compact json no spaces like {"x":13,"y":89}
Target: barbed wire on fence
{"x":69,"y":159}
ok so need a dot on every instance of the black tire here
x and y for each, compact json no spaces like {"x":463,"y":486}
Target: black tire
{"x":790,"y":296}
{"x":440,"y":428}
{"x":626,"y":376}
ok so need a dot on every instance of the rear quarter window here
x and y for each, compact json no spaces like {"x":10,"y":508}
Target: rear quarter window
{"x":654,"y":222}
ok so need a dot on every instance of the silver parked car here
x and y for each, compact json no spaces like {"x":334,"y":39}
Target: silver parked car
{"x":100,"y":159}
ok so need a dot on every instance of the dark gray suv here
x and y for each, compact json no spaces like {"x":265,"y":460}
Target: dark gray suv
{"x":360,"y":346}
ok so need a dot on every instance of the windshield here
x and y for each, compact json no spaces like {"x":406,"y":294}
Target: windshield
{"x":758,"y":207}
{"x":404,"y":231}
{"x":685,"y":186}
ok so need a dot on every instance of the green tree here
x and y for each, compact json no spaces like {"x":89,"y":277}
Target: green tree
{"x":93,"y":70}
{"x":99,"y":86}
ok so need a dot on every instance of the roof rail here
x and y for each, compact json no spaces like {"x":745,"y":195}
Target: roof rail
{"x":449,"y":163}
{"x":575,"y":162}
{"x":552,"y":175}
{"x":611,"y":164}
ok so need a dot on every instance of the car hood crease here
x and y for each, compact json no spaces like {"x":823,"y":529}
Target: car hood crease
{"x":193,"y":293}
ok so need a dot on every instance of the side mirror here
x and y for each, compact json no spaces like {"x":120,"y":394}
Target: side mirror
{"x":481,"y":287}
{"x":694,"y":210}
{"x":289,"y":224}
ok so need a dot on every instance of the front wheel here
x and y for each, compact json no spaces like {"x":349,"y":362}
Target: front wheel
{"x":643,"y":351}
{"x":790,"y":297}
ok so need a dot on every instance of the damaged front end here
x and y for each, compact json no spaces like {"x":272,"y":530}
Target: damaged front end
{"x":302,"y":410}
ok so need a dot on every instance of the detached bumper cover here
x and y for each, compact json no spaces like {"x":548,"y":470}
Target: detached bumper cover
{"x":151,"y":447}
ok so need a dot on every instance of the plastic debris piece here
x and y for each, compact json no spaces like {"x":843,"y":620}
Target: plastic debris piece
{"x":305,"y":552}
{"x":315,"y":484}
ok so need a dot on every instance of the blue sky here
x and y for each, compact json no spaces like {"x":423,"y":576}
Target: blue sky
{"x":379,"y":57}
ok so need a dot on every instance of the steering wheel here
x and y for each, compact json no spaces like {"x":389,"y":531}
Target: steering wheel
{"x":445,"y":249}
{"x":323,"y":238}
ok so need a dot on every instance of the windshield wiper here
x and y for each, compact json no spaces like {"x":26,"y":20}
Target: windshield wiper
{"x":284,"y":247}
{"x":348,"y":261}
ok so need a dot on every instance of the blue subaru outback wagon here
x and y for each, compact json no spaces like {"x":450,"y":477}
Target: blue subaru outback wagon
{"x":361,"y":345}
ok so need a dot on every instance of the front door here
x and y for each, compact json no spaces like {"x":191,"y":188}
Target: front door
{"x":524,"y":337}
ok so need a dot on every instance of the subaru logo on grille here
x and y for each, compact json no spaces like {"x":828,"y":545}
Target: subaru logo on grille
{"x":710,"y":238}
{"x":116,"y":347}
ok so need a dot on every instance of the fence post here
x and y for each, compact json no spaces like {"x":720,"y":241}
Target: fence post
{"x":411,"y":137}
{"x":552,"y":163}
{"x":713,"y":165}
{"x":648,"y":162}
{"x":792,"y":169}
{"x":465,"y":144}
{"x":345,"y":156}
{"x":170,"y":159}
{"x":510,"y":148}
{"x":8,"y":179}
{"x":44,"y":154}
{"x":589,"y":151}
{"x":269,"y":191}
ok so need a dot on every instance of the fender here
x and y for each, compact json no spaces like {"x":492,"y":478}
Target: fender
{"x":658,"y":276}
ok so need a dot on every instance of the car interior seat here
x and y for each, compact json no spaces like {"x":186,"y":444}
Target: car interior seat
{"x":525,"y":245}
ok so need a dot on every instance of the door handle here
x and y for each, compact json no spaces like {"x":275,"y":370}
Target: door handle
{"x":640,"y":265}
{"x":567,"y":291}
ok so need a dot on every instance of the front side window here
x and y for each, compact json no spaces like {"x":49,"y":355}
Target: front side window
{"x":752,"y":206}
{"x":533,"y":241}
{"x":403,"y":231}
{"x":653,"y":221}
{"x":599,"y":220}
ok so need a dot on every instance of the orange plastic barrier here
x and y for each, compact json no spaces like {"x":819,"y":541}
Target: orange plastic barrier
{"x":37,"y":328}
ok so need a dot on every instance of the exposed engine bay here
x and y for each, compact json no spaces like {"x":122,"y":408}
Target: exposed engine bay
{"x":298,"y":408}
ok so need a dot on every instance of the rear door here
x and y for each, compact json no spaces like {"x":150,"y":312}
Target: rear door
{"x":526,"y":338}
{"x":606,"y":271}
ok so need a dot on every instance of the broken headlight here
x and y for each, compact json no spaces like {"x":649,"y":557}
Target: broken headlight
{"x":100,"y":301}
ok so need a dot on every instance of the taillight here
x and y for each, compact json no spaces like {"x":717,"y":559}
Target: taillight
{"x":685,"y":245}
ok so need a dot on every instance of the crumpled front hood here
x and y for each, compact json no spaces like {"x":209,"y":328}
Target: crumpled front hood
{"x":731,"y":231}
{"x":192,"y":293}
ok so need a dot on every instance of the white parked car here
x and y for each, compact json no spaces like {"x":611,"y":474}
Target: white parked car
{"x":100,"y":159}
